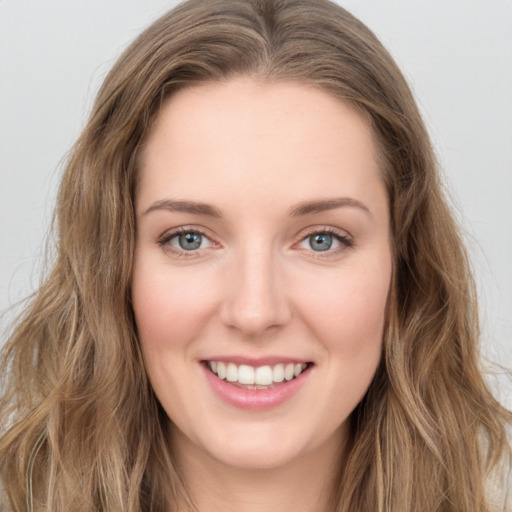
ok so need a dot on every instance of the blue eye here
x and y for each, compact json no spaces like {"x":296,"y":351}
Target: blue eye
{"x":325,"y":241}
{"x":189,"y":241}
{"x":184,"y":241}
{"x":320,"y":241}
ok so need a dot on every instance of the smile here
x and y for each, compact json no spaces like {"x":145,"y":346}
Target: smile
{"x":256,"y":387}
{"x":261,"y":377}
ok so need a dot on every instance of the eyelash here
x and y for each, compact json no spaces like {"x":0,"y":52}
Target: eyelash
{"x":346,"y":242}
{"x":165,"y":239}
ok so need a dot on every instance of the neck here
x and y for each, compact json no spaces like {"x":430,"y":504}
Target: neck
{"x":307,"y":484}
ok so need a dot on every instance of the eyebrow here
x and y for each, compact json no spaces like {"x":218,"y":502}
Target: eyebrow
{"x":319,"y":206}
{"x":184,"y":206}
{"x":302,"y":209}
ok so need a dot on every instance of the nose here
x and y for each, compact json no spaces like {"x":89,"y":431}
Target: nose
{"x":255,"y":301}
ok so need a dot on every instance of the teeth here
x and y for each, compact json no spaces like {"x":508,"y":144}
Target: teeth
{"x":221,"y":370}
{"x":255,"y":377}
{"x":263,"y":376}
{"x":232,"y":372}
{"x":288,"y":371}
{"x":245,"y":374}
{"x":278,"y":373}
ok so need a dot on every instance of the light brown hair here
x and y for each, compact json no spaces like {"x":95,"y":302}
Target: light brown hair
{"x":81,"y":429}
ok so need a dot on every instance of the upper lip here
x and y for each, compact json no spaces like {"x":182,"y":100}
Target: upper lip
{"x":258,"y":361}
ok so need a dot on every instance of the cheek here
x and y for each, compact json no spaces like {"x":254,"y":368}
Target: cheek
{"x":347,"y":310}
{"x":346,"y":313}
{"x":169,"y":305}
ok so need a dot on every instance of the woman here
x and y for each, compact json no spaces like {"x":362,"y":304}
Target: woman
{"x":260,"y":298}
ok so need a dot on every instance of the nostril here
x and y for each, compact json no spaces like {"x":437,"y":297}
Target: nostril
{"x":255,"y":303}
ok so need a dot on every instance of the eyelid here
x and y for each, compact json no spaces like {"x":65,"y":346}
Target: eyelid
{"x":343,"y":237}
{"x":164,"y":239}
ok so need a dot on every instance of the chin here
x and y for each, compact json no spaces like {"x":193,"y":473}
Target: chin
{"x":259,"y":446}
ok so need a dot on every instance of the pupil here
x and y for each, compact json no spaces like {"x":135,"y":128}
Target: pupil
{"x":190,"y":241}
{"x":321,"y":242}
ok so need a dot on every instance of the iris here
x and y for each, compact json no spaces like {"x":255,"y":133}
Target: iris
{"x":320,"y":242}
{"x":190,"y":241}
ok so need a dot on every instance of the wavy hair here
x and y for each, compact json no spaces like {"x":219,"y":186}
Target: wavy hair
{"x":81,"y":429}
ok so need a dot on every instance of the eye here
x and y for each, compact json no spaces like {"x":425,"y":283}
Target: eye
{"x":184,"y":240}
{"x":321,"y":241}
{"x":325,"y":240}
{"x":187,"y":241}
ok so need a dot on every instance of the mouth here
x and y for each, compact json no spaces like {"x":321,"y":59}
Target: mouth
{"x":257,"y":377}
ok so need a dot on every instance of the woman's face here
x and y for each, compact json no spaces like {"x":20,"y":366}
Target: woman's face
{"x":262,"y":252}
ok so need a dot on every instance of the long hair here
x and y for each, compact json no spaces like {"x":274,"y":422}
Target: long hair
{"x":81,"y":429}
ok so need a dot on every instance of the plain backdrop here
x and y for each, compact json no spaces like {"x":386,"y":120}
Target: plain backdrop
{"x":457,"y":55}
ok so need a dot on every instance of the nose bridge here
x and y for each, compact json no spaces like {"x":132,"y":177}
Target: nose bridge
{"x":256,"y":300}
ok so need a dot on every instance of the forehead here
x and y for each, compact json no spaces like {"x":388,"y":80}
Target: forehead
{"x":258,"y":139}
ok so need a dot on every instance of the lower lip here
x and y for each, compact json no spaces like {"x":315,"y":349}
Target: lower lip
{"x":255,"y":399}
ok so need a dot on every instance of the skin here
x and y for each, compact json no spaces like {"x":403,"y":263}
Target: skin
{"x":255,"y":152}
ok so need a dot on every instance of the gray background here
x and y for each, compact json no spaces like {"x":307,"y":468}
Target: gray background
{"x":457,"y":55}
